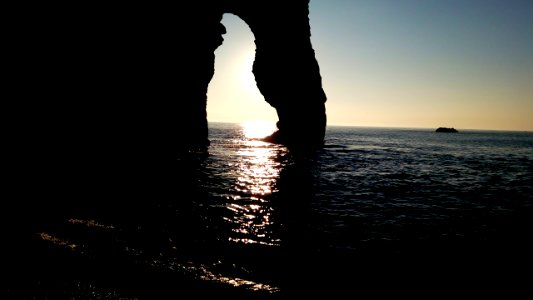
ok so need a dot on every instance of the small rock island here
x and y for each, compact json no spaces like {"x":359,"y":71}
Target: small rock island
{"x":446,"y":129}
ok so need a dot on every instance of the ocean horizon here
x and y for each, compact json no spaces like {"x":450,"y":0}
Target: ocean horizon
{"x":333,"y":125}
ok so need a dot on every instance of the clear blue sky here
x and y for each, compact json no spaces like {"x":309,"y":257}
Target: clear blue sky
{"x":400,"y":63}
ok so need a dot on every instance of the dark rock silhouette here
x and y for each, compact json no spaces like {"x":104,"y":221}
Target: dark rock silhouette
{"x":446,"y":129}
{"x":123,"y":87}
{"x":127,"y":83}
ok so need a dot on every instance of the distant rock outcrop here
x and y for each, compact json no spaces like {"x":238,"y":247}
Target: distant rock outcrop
{"x":446,"y":129}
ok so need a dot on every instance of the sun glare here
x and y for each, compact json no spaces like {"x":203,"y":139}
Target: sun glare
{"x":257,"y":129}
{"x":247,"y":78}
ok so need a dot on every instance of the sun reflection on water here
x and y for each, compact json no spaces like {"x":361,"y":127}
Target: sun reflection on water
{"x":257,"y":169}
{"x":257,"y":129}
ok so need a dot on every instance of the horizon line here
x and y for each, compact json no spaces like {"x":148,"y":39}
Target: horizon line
{"x":390,"y":127}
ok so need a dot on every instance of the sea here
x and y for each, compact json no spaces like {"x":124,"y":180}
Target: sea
{"x":401,"y":211}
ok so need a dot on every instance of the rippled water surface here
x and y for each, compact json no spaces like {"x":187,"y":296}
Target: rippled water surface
{"x":257,"y":217}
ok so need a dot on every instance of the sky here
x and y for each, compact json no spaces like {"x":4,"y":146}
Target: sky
{"x":466,"y":64}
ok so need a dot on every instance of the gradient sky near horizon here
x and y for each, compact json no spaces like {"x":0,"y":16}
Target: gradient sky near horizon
{"x":466,"y":64}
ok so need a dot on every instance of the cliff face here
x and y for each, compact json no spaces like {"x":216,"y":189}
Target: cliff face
{"x":123,"y":82}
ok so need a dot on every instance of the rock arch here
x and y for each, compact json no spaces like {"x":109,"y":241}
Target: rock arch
{"x":285,"y":67}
